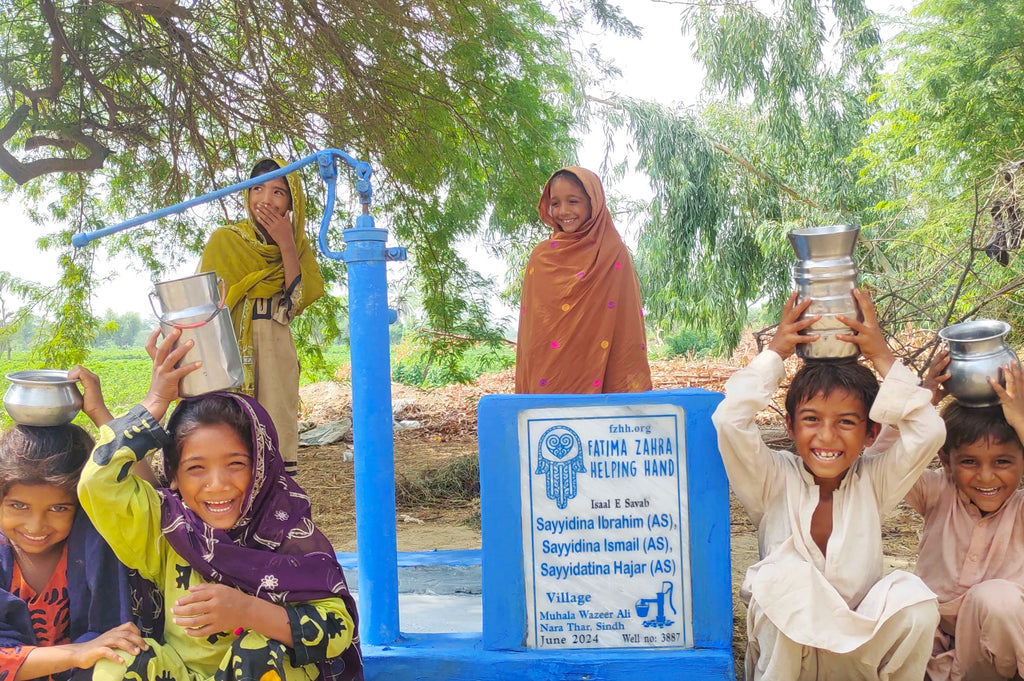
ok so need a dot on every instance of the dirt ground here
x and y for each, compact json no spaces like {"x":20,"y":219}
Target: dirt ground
{"x":446,"y":434}
{"x":420,"y":527}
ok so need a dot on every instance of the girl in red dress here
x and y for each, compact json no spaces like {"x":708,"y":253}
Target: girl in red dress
{"x":63,"y":594}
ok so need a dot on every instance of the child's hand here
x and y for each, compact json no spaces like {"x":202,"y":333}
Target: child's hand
{"x":163,"y":386}
{"x":212,"y":609}
{"x":1012,"y":396}
{"x":937,"y":375}
{"x":787,"y":335}
{"x":125,"y":637}
{"x":92,"y":396}
{"x":868,"y":334}
{"x":278,"y":226}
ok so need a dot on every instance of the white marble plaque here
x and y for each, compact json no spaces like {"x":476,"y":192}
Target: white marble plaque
{"x":605,"y":533}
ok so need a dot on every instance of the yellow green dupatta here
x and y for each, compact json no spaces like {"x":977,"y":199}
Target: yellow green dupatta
{"x":252,"y":269}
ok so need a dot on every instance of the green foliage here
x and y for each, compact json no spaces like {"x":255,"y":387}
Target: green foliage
{"x":73,"y":326}
{"x":319,"y":328}
{"x":121,"y":330}
{"x":696,"y":266}
{"x":806,"y":65}
{"x":463,"y":108}
{"x":16,"y":319}
{"x":714,"y":236}
{"x":690,"y":343}
{"x":333,"y":358}
{"x":124,"y":376}
{"x":951,"y":112}
{"x":946,"y":138}
{"x":732,"y":178}
{"x":415,"y":362}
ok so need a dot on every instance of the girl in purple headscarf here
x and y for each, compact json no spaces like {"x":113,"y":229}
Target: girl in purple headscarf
{"x":253,"y":589}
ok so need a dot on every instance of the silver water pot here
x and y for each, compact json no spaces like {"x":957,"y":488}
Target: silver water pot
{"x":826,"y":273}
{"x":977,"y":351}
{"x":196,"y":306}
{"x":42,"y":397}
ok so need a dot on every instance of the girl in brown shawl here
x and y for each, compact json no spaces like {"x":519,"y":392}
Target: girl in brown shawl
{"x":271,"y":275}
{"x":581,"y":326}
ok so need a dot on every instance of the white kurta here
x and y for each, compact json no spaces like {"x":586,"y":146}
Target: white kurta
{"x":839,"y":602}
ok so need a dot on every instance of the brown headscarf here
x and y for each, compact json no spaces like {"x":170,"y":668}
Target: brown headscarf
{"x":581,"y":325}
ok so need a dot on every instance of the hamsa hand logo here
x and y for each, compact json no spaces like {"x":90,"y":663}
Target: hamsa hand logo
{"x":559,"y":459}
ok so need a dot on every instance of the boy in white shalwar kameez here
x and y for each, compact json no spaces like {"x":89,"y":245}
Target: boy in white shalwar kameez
{"x":818,"y":605}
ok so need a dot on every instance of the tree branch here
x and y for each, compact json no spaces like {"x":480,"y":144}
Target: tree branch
{"x":37,"y":141}
{"x":158,"y":9}
{"x":23,"y":172}
{"x":763,"y":175}
{"x":60,"y":39}
{"x":56,"y":78}
{"x":747,"y":165}
{"x":456,"y":336}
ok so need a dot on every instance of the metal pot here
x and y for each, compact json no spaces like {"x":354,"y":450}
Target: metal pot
{"x":196,"y":306}
{"x":42,"y":397}
{"x":826,"y":273}
{"x":977,"y":351}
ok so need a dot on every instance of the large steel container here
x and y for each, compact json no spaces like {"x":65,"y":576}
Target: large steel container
{"x":826,"y":273}
{"x":196,"y":306}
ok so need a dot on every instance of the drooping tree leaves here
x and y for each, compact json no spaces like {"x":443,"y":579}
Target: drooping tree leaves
{"x":462,"y":107}
{"x":731,"y":177}
{"x":947,"y":137}
{"x":805,"y":128}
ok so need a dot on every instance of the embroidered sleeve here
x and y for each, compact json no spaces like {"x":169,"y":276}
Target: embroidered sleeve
{"x":124,"y":508}
{"x":321,"y":630}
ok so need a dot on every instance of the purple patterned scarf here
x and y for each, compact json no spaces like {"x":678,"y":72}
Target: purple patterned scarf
{"x":273,"y":551}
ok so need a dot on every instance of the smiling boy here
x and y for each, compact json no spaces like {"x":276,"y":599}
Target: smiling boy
{"x":972,"y":544}
{"x":818,"y":604}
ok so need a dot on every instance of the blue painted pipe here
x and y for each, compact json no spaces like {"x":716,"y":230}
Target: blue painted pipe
{"x":324,"y":159}
{"x":376,"y":541}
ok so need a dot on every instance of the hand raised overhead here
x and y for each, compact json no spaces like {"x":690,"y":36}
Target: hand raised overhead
{"x":787,"y":335}
{"x":1012,"y":396}
{"x":92,"y":396}
{"x":163,"y":386}
{"x":868,"y":334}
{"x":937,"y":375}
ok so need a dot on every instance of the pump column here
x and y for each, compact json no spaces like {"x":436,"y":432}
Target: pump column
{"x":374,"y":463}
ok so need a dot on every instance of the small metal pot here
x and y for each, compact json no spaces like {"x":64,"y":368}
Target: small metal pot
{"x":826,"y":272}
{"x":977,"y":351}
{"x":42,"y":397}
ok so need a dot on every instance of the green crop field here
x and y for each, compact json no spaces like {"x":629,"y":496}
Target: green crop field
{"x":124,"y":375}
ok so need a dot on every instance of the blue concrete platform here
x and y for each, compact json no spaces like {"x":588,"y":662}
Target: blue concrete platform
{"x":462,"y":657}
{"x":455,"y":657}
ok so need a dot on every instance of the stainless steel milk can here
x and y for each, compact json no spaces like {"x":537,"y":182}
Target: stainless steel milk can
{"x":196,"y":306}
{"x":977,"y":351}
{"x":825,"y":272}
